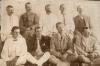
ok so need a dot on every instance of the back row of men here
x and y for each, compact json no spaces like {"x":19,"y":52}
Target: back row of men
{"x":29,"y":20}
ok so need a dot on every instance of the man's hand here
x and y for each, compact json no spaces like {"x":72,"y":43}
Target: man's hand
{"x":39,"y":53}
{"x":70,"y":52}
{"x":64,"y":57}
{"x":91,"y":56}
{"x":15,"y":59}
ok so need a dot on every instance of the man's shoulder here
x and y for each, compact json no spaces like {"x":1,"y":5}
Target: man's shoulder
{"x":93,"y":38}
{"x":9,"y":38}
{"x":77,"y":16}
{"x":46,"y":37}
{"x":23,"y":14}
{"x":55,"y":35}
{"x":20,"y":37}
{"x":32,"y":13}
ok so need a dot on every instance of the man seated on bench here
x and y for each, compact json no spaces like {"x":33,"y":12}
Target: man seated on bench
{"x":39,"y":46}
{"x":85,"y":46}
{"x":14,"y":52}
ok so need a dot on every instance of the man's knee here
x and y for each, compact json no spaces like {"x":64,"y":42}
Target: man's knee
{"x":47,"y":54}
{"x":72,"y":58}
{"x":84,"y":59}
{"x":2,"y":62}
{"x":54,"y":60}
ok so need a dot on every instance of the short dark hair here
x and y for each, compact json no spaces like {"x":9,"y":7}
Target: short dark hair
{"x":47,"y":5}
{"x":27,"y":3}
{"x":61,"y":5}
{"x":58,"y":23}
{"x":14,"y":28}
{"x":9,"y":6}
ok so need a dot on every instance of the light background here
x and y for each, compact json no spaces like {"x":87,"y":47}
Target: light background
{"x":90,"y":8}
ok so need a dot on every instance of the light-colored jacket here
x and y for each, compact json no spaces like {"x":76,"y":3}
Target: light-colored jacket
{"x":13,"y":48}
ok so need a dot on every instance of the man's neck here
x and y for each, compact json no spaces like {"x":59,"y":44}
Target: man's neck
{"x":48,"y":13}
{"x":62,"y":12}
{"x":81,"y":15}
{"x":28,"y":12}
{"x":9,"y":14}
{"x":38,"y":37}
{"x":61,"y":33}
{"x":15,"y":39}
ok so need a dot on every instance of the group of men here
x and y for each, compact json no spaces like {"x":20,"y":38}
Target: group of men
{"x":29,"y":43}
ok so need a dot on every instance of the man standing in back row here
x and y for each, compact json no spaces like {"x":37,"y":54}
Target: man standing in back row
{"x":81,"y":21}
{"x":49,"y":21}
{"x":8,"y":21}
{"x":28,"y":21}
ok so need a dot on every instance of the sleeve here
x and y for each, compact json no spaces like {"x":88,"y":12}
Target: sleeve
{"x":47,"y":42}
{"x":75,"y":20}
{"x":69,"y":46}
{"x":21,"y":23}
{"x":90,"y":24}
{"x":77,"y":45}
{"x":52,"y":48}
{"x":23,"y":48}
{"x":4,"y":53}
{"x":96,"y":52}
{"x":36,"y":19}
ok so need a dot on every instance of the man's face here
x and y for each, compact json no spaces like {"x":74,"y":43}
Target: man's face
{"x":10,"y":10}
{"x":79,"y":9}
{"x":38,"y":31}
{"x":60,"y":27}
{"x":28,"y":7}
{"x":16,"y":33}
{"x":62,"y":8}
{"x":48,"y":8}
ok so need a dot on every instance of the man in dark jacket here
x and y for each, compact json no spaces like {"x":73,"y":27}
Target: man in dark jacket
{"x":28,"y":20}
{"x":39,"y":46}
{"x":81,"y":21}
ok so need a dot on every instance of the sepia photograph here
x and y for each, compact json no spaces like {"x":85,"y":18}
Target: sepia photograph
{"x":49,"y":33}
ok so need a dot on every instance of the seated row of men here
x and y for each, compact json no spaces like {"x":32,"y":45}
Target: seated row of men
{"x":59,"y":49}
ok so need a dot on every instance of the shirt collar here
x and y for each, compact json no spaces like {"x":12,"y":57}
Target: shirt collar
{"x":61,"y":36}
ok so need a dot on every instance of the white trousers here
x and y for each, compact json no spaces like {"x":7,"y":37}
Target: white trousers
{"x":28,"y":57}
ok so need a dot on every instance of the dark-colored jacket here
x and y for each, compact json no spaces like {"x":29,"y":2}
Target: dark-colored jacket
{"x":81,"y":23}
{"x":28,"y":21}
{"x":44,"y":44}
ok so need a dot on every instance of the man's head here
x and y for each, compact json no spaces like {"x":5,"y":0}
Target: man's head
{"x":60,"y":27}
{"x":86,"y":32}
{"x":62,"y":8}
{"x":38,"y":30}
{"x":48,"y":8}
{"x":28,"y":6}
{"x":79,"y":9}
{"x":15,"y":31}
{"x":10,"y":10}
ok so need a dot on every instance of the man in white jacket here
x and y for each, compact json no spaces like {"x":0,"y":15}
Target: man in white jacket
{"x":14,"y":52}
